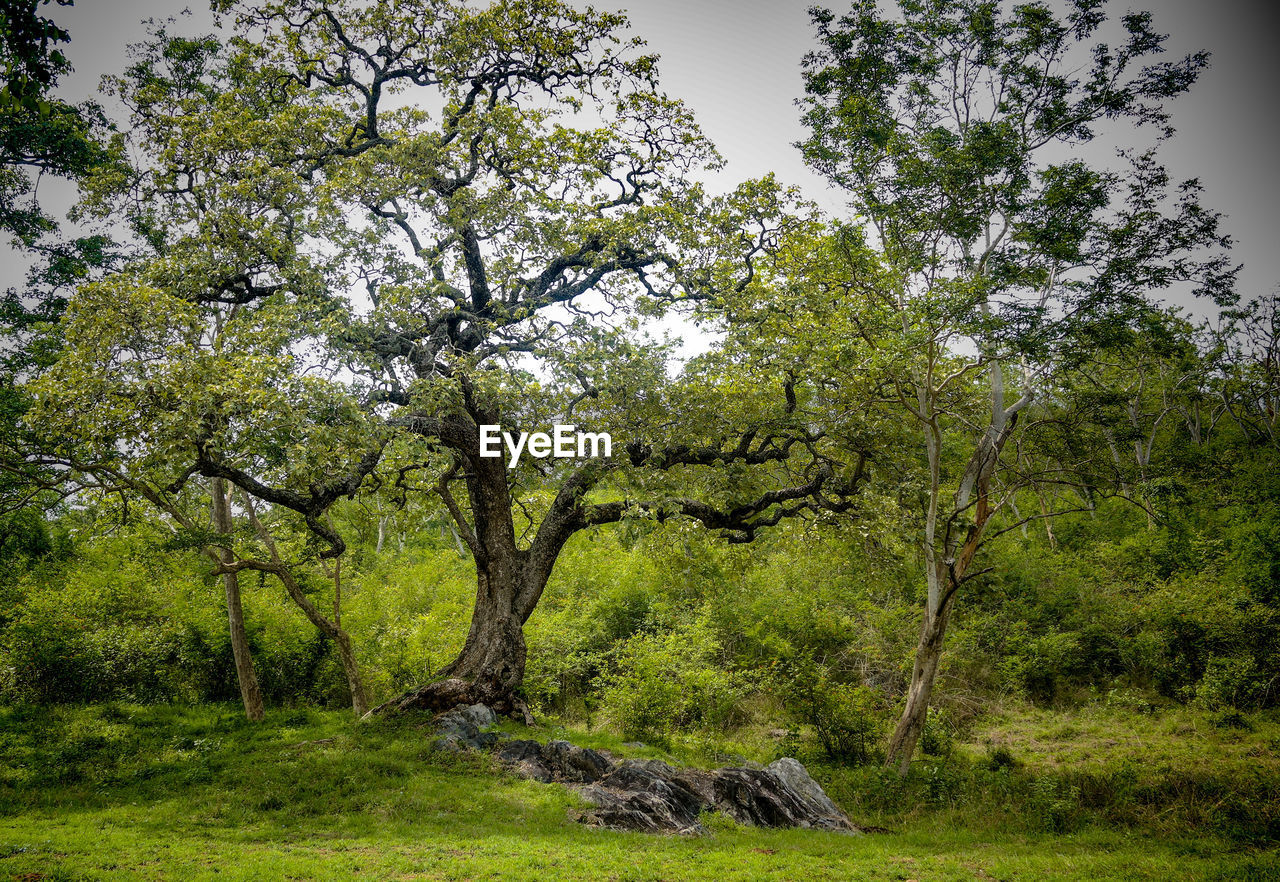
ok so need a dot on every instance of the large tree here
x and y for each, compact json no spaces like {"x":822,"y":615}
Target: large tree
{"x":365,"y":230}
{"x":972,"y":138}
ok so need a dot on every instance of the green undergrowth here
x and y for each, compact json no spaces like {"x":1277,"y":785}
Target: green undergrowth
{"x":121,"y":791}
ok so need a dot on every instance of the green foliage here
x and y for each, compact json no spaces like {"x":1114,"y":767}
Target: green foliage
{"x":121,"y":618}
{"x":660,"y":683}
{"x":849,"y":720}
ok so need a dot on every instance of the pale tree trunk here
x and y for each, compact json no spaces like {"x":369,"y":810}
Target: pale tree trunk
{"x":924,"y":674}
{"x":947,"y":573}
{"x":250,"y":694}
{"x":1048,"y":522}
{"x":933,"y":628}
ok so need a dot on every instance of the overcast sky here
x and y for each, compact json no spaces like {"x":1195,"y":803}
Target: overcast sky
{"x":737,"y":63}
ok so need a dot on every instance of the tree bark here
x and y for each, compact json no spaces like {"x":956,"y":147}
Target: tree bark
{"x":947,"y":571}
{"x":250,"y":693}
{"x":924,"y":673}
{"x":340,"y":638}
{"x":489,"y":669}
{"x":509,"y":583}
{"x":511,"y":575}
{"x":331,"y":629}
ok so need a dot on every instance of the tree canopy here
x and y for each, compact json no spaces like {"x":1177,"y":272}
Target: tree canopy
{"x":361,"y":232}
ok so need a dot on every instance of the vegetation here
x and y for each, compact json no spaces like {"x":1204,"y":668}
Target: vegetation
{"x":953,"y":508}
{"x":123,"y":791}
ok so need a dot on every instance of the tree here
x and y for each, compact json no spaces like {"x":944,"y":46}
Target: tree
{"x":365,"y":231}
{"x":962,"y":133}
{"x":1251,"y":388}
{"x":40,"y":135}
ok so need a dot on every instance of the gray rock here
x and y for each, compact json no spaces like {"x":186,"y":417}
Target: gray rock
{"x":757,"y":798}
{"x":578,"y":765}
{"x":825,"y":813}
{"x":525,"y":759}
{"x":478,"y":715}
{"x":644,"y":795}
{"x":639,"y":810}
{"x":461,"y":729}
{"x":650,"y":795}
{"x":555,"y":761}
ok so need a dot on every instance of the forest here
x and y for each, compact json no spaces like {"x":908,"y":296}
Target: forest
{"x":966,"y":497}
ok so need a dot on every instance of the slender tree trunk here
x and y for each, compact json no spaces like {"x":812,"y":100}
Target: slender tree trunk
{"x":924,"y":673}
{"x":347,"y":655}
{"x":340,"y":638}
{"x":946,"y":567}
{"x":250,"y":694}
{"x":331,"y":629}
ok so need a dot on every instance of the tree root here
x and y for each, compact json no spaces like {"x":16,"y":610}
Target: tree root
{"x":445,"y":695}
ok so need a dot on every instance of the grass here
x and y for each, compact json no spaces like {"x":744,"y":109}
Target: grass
{"x":158,"y":792}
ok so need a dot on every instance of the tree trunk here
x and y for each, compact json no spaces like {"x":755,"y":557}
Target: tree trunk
{"x":509,"y":579}
{"x":490,"y":667}
{"x":902,"y":745}
{"x":331,"y":629}
{"x":946,"y":568}
{"x":250,"y":694}
{"x":346,"y":653}
{"x":359,"y":699}
{"x":340,"y":638}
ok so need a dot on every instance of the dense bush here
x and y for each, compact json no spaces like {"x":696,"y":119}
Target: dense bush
{"x":665,"y":628}
{"x":848,"y":720}
{"x":670,"y":682}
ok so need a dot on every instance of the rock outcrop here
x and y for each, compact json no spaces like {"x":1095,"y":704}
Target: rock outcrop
{"x":650,"y":795}
{"x":463,"y":728}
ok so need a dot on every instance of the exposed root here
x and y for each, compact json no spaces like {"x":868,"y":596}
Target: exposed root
{"x":445,"y":695}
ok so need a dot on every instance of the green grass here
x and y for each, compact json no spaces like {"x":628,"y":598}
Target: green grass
{"x":145,"y":792}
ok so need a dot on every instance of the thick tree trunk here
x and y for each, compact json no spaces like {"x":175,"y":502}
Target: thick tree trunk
{"x":490,"y":667}
{"x":250,"y":694}
{"x":509,"y":579}
{"x":493,"y":655}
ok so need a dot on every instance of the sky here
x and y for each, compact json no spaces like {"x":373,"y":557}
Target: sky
{"x":737,"y":64}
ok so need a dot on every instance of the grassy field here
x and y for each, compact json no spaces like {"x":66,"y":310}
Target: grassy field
{"x":145,"y":792}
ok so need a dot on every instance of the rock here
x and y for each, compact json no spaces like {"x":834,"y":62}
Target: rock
{"x":460,"y":729}
{"x":825,"y":813}
{"x":757,"y":798}
{"x":578,"y":765}
{"x":519,"y":750}
{"x":555,"y":761}
{"x":478,"y":715}
{"x":650,"y":795}
{"x":645,"y":795}
{"x":525,"y":759}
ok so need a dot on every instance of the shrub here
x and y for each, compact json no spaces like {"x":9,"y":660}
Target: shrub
{"x":848,"y":719}
{"x":672,"y":681}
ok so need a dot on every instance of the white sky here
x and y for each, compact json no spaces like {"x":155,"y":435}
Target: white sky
{"x":737,"y":63}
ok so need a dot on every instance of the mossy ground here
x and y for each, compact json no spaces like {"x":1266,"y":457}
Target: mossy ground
{"x":161,"y":792}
